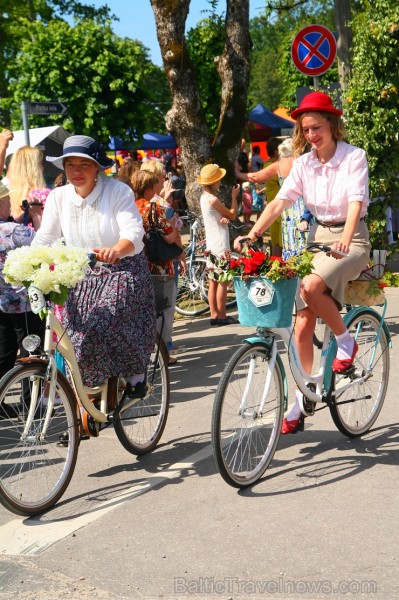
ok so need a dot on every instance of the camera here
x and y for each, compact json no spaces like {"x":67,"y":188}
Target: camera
{"x":26,"y":205}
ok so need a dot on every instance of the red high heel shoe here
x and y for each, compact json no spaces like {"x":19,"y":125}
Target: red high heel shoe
{"x":293,"y":426}
{"x":340,"y":366}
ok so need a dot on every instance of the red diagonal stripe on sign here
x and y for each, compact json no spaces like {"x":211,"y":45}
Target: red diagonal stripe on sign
{"x":313,"y":50}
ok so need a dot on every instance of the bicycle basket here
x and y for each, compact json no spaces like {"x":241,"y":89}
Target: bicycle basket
{"x":163,"y":290}
{"x":363,"y":293}
{"x":278,"y":300}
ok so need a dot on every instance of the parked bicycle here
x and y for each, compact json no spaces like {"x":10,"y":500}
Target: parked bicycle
{"x":44,"y":413}
{"x":192,"y":291}
{"x":252,"y":393}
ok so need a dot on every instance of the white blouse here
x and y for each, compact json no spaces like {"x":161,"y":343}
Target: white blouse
{"x":107,"y":215}
{"x":328,"y":188}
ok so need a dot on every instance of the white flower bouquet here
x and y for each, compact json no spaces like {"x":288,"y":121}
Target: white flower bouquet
{"x":50,"y":269}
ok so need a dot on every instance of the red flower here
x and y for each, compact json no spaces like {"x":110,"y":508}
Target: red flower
{"x":258,"y":258}
{"x":51,"y":267}
{"x":234,"y":263}
{"x":279,"y":258}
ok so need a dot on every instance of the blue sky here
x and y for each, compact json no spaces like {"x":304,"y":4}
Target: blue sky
{"x":137,"y":19}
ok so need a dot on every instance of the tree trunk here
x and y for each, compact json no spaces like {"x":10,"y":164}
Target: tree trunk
{"x":186,"y":120}
{"x":342,"y":12}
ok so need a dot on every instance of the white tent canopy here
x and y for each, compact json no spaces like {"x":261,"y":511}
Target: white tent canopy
{"x":50,"y":140}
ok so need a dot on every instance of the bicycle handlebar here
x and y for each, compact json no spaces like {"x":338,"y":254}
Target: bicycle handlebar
{"x":324,"y":248}
{"x":94,"y":262}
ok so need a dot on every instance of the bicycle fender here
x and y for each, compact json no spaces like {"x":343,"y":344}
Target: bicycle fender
{"x":32,"y":359}
{"x":356,"y":310}
{"x":332,"y":348}
{"x":267,"y":344}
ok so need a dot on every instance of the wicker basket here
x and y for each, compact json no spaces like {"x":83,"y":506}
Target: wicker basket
{"x":357,"y":293}
{"x":163,"y":290}
{"x":278,"y":313}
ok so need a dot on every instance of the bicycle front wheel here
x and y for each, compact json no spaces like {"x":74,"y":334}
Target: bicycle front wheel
{"x":356,"y":409}
{"x":139,"y":427}
{"x":245,"y":434}
{"x":191,"y":300}
{"x":35,"y":468}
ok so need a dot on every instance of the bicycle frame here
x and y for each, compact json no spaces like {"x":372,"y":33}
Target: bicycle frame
{"x":322,"y":378}
{"x":65,"y":348}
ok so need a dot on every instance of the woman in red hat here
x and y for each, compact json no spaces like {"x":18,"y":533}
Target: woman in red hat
{"x":332,"y":177}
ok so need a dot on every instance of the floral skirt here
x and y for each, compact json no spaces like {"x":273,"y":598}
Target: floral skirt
{"x":110,"y":318}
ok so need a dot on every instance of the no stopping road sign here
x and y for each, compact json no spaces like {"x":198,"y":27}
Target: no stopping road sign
{"x":314,"y":50}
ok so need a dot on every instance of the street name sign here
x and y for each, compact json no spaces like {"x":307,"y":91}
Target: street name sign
{"x":47,"y":108}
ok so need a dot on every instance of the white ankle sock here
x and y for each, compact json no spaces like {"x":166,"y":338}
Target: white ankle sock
{"x":295,"y":411}
{"x":136,"y":379}
{"x":345,"y":343}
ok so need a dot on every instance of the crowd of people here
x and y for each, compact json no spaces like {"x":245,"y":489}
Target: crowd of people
{"x":314,"y":181}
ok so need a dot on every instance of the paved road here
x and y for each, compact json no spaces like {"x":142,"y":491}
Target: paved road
{"x":322,"y":523}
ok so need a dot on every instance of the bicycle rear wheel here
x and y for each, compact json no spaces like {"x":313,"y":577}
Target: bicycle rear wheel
{"x":140,"y":426}
{"x":35,"y":469}
{"x":245,"y":439}
{"x":192,"y":299}
{"x":356,"y":409}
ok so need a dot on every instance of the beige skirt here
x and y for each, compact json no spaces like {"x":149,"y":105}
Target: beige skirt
{"x":336,"y":273}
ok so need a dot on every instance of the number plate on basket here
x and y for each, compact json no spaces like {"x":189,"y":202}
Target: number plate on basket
{"x":36,"y":299}
{"x":261,"y":293}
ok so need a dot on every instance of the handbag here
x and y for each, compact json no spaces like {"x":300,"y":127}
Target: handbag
{"x":158,"y":251}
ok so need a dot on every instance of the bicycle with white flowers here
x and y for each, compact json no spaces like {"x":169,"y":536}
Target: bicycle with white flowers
{"x":44,"y":414}
{"x":252,"y":397}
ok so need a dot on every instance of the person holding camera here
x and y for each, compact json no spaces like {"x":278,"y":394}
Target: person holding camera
{"x":27,"y":183}
{"x":16,"y":318}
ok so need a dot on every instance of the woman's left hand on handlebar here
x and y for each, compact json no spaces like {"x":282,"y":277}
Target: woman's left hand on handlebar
{"x":341,"y":248}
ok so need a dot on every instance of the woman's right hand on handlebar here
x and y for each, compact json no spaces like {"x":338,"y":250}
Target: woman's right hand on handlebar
{"x":107,"y":255}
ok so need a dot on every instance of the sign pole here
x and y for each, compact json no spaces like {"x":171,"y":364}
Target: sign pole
{"x":25,"y":120}
{"x":316,"y":82}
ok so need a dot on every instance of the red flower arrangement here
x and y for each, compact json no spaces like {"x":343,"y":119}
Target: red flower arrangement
{"x":260,"y":264}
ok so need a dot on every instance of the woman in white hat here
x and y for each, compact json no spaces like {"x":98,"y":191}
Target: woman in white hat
{"x":111,"y":328}
{"x":216,"y":217}
{"x":16,"y":318}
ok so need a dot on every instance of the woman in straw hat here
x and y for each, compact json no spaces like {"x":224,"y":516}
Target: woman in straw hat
{"x":333,"y":180}
{"x":216,"y":218}
{"x":110,"y":326}
{"x":16,"y":318}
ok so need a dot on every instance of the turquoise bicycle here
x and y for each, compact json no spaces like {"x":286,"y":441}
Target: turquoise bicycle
{"x":252,"y":394}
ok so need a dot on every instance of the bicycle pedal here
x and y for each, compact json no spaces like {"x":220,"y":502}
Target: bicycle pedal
{"x":63,"y":439}
{"x":308,"y":405}
{"x":350,"y":372}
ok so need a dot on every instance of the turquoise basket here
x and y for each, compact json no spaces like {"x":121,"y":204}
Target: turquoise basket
{"x":276,"y":314}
